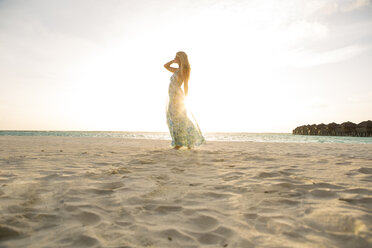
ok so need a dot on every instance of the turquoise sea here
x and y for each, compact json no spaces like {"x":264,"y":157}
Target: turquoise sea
{"x":252,"y":137}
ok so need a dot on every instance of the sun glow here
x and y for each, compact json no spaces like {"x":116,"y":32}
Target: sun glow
{"x":256,"y":66}
{"x":228,"y":88}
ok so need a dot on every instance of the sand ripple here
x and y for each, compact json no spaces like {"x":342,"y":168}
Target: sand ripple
{"x":105,"y":192}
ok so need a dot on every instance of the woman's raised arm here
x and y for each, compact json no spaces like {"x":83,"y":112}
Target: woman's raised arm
{"x":186,"y":88}
{"x":169,"y":68}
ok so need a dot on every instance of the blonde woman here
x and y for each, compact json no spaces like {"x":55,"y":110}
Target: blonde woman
{"x":183,"y":128}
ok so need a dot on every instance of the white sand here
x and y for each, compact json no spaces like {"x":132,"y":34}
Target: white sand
{"x":107,"y":192}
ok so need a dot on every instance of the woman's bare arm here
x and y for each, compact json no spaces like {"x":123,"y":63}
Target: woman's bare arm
{"x":186,"y":87}
{"x":169,"y":68}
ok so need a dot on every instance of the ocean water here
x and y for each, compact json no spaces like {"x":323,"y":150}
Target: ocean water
{"x":252,"y":137}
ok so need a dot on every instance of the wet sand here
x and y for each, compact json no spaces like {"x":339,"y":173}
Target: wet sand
{"x":111,"y":192}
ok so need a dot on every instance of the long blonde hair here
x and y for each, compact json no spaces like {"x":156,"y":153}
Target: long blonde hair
{"x":184,"y":66}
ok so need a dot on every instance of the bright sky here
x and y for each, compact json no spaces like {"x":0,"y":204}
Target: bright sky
{"x":256,"y":66}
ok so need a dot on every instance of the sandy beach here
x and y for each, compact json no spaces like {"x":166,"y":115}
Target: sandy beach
{"x":111,"y":192}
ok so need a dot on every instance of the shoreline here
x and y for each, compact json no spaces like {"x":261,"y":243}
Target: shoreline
{"x":210,"y":137}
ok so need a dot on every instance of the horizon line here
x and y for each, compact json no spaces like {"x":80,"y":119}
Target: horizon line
{"x":25,"y":130}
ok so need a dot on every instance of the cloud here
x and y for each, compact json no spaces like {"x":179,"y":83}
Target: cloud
{"x":308,"y":58}
{"x":347,"y":6}
{"x":330,"y":7}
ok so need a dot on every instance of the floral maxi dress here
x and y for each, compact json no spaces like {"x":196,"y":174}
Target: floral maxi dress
{"x":182,"y":125}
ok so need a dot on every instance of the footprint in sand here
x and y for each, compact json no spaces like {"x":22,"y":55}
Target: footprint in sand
{"x":88,"y":218}
{"x":8,"y":233}
{"x":328,"y":186}
{"x":224,"y":231}
{"x":365,"y":170}
{"x":173,"y":234}
{"x":142,"y":161}
{"x":168,"y":209}
{"x":211,"y":238}
{"x":250,"y":216}
{"x":343,"y":163}
{"x":360,"y":201}
{"x":100,"y":191}
{"x":112,"y":185}
{"x":334,"y":222}
{"x":177,"y":170}
{"x":268,"y":174}
{"x":80,"y":241}
{"x":323,"y":193}
{"x":358,"y":191}
{"x":202,"y":223}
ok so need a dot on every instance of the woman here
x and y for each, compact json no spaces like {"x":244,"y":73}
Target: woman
{"x":183,"y":128}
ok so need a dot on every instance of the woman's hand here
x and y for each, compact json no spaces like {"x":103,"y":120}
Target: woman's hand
{"x":169,"y":68}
